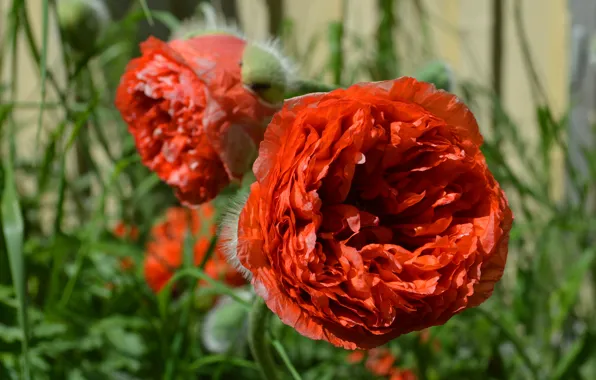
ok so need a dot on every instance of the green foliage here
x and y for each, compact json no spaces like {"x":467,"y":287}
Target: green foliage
{"x":69,"y":311}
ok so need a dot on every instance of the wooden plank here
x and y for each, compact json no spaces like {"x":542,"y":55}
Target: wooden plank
{"x":583,"y":81}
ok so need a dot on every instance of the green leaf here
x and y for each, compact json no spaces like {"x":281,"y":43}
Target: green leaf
{"x":579,"y":352}
{"x":10,"y":334}
{"x":12,"y":227}
{"x":49,"y":330}
{"x":7,"y":297}
{"x":147,"y":12}
{"x":563,"y":299}
{"x":128,"y":343}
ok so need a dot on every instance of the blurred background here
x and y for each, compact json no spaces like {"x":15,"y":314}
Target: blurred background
{"x":527,"y":68}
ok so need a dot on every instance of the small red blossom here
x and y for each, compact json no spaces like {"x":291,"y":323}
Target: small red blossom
{"x":194,"y":123}
{"x":124,"y":231}
{"x":380,"y":361}
{"x":402,"y":374}
{"x":165,"y":249}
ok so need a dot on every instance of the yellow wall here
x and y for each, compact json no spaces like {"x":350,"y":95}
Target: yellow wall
{"x":460,"y":31}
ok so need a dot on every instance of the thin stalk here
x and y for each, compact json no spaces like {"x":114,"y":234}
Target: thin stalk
{"x":538,"y":92}
{"x":336,"y":50}
{"x":276,"y":16}
{"x":286,"y":359}
{"x":497,"y":64}
{"x":428,"y":46}
{"x":387,"y":65}
{"x":43,"y":69}
{"x":257,"y":339}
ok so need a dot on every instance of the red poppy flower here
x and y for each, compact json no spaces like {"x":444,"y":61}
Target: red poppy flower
{"x":194,"y":122}
{"x":374,"y":213}
{"x":355,"y":357}
{"x":380,"y":362}
{"x":165,"y":250}
{"x":402,"y":374}
{"x":124,"y":231}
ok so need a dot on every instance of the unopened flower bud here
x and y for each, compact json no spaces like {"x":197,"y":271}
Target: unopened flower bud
{"x":225,"y":325}
{"x":438,"y":73}
{"x":82,"y":22}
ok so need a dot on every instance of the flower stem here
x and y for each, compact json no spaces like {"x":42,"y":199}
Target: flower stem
{"x":259,"y":346}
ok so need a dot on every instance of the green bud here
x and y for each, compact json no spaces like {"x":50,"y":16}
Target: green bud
{"x":209,"y":22}
{"x":82,"y":22}
{"x":438,"y":73}
{"x":225,"y":325}
{"x":266,"y":72}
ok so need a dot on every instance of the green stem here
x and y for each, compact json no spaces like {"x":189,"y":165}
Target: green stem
{"x":259,"y":346}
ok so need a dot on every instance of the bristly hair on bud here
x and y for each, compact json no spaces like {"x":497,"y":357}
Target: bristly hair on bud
{"x":267,"y":72}
{"x":208,"y":22}
{"x":228,"y":235}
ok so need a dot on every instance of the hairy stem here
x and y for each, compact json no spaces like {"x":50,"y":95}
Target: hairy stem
{"x":259,"y":345}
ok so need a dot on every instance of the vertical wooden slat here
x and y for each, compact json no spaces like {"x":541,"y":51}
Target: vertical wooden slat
{"x":583,"y":82}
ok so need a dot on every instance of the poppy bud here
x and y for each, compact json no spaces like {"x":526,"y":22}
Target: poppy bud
{"x":438,"y":73}
{"x":226,"y":324}
{"x":82,"y":22}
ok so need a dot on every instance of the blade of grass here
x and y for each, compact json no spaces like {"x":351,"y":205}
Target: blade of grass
{"x":12,"y":227}
{"x":336,"y":60}
{"x":564,"y":298}
{"x":197,"y":273}
{"x":43,"y":67}
{"x":188,"y":262}
{"x":230,"y":360}
{"x":93,"y":230}
{"x":144,"y":188}
{"x":538,"y":92}
{"x":387,"y":64}
{"x":579,"y":352}
{"x":12,"y":219}
{"x":286,"y":359}
{"x":147,"y":12}
{"x":513,"y":338}
{"x":57,"y":227}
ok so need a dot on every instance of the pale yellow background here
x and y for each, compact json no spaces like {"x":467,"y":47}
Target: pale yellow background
{"x":460,"y":33}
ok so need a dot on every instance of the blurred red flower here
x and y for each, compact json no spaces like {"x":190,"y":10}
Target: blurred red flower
{"x":381,"y":362}
{"x":127,"y":263}
{"x":374,"y":213}
{"x":165,"y":249}
{"x":193,"y":122}
{"x":124,"y":231}
{"x":425,"y":338}
{"x":402,"y":374}
{"x":355,"y":357}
